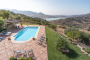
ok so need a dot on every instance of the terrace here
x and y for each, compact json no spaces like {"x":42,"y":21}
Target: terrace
{"x":39,"y":51}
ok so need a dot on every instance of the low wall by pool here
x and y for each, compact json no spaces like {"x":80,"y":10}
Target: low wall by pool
{"x":25,"y":35}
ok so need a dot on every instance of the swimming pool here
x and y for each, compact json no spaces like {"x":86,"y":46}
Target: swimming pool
{"x":25,"y":34}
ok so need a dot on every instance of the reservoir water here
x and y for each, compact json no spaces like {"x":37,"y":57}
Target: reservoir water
{"x":50,"y":19}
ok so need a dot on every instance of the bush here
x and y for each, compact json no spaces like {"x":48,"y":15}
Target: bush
{"x":52,"y":26}
{"x":70,"y":39}
{"x":21,"y":58}
{"x":14,"y":27}
{"x":73,"y":34}
{"x":88,"y":29}
{"x":70,"y":29}
{"x":1,"y":29}
{"x":12,"y":58}
{"x":87,"y":50}
{"x":28,"y":58}
{"x":62,"y":43}
{"x":85,"y":38}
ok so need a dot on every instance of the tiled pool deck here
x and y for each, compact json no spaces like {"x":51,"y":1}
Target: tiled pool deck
{"x":39,"y":51}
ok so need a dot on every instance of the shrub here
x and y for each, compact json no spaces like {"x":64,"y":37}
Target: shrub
{"x":89,"y":29}
{"x":52,"y":26}
{"x":87,"y":50}
{"x":12,"y":58}
{"x":62,"y":43}
{"x":85,"y":38}
{"x":21,"y":58}
{"x":70,"y":29}
{"x":70,"y":39}
{"x":1,"y":29}
{"x":28,"y":58}
{"x":73,"y":34}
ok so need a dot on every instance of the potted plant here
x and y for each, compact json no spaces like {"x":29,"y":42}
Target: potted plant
{"x":14,"y":27}
{"x":9,"y":38}
{"x":12,"y":58}
{"x":33,"y":38}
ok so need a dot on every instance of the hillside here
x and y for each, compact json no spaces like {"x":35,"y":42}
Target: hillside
{"x":35,"y":14}
{"x":81,"y":21}
{"x":6,"y":15}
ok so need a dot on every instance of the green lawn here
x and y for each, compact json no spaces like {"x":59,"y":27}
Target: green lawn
{"x":53,"y":54}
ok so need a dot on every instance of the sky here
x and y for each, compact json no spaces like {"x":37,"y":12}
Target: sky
{"x":50,"y":7}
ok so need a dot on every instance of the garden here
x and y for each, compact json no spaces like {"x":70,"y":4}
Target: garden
{"x":54,"y":54}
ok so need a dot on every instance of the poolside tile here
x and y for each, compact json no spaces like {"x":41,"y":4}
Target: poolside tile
{"x":10,"y":52}
{"x":32,"y":45}
{"x":2,"y":51}
{"x":27,"y":48}
{"x":2,"y":48}
{"x":29,"y":43}
{"x":35,"y":54}
{"x":10,"y":55}
{"x":39,"y":52}
{"x":1,"y":45}
{"x":43,"y":56}
{"x":6,"y":41}
{"x":15,"y":46}
{"x":24,"y":45}
{"x":9,"y":45}
{"x":38,"y":58}
{"x":18,"y":48}
{"x":32,"y":41}
{"x":35,"y":48}
{"x":3,"y":56}
{"x":9,"y":49}
{"x":44,"y":48}
{"x":46,"y":58}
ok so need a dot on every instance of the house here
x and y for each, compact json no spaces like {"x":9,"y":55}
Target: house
{"x":13,"y":22}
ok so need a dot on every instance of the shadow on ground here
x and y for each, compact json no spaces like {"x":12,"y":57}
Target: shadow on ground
{"x":72,"y":54}
{"x":12,"y":31}
{"x":46,"y":39}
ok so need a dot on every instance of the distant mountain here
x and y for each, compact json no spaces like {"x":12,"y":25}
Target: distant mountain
{"x":82,"y":21}
{"x":35,"y":14}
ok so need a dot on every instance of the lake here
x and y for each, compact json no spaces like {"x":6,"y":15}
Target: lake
{"x":50,"y":19}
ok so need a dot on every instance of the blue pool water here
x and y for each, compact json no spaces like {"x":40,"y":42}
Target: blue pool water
{"x":26,"y":34}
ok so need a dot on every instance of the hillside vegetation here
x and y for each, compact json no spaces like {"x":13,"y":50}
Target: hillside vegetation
{"x":82,"y":21}
{"x":54,"y":54}
{"x":25,"y":19}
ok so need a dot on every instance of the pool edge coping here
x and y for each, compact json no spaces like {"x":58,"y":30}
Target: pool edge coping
{"x":12,"y":36}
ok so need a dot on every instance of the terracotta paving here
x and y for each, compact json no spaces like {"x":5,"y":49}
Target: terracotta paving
{"x":39,"y":51}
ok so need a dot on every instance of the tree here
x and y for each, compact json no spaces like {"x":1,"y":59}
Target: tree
{"x":70,"y":29}
{"x":61,"y":43}
{"x":1,"y":23}
{"x":73,"y":34}
{"x":4,"y":14}
{"x":85,"y":38}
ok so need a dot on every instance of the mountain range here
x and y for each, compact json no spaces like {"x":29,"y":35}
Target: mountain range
{"x":81,"y":21}
{"x":35,"y":14}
